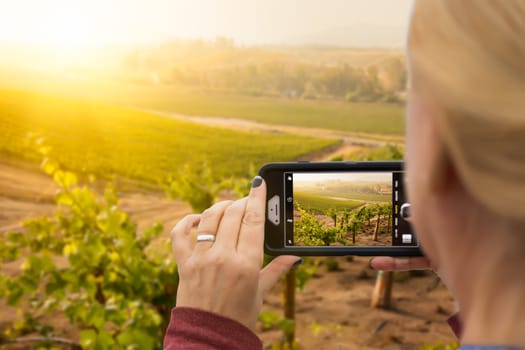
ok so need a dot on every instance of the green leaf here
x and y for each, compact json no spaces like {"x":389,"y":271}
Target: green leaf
{"x":287,"y":325}
{"x":269,"y":319}
{"x":14,"y":294}
{"x":69,"y":179}
{"x":136,"y":339}
{"x":110,"y":196}
{"x":70,"y":249}
{"x":88,"y":338}
{"x":49,"y":166}
{"x":65,"y":179}
{"x":96,"y":316}
{"x":104,"y":340}
{"x":63,"y":198}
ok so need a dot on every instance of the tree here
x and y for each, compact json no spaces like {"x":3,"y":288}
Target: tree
{"x":396,"y":73}
{"x":368,"y":89}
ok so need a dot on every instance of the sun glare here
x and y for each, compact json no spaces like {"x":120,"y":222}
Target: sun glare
{"x":59,"y":24}
{"x":67,"y":31}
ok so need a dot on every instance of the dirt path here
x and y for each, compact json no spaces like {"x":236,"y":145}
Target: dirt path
{"x":348,"y":142}
{"x":27,"y":192}
{"x":24,"y":192}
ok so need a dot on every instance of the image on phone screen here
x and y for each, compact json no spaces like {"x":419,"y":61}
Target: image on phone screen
{"x":345,"y":209}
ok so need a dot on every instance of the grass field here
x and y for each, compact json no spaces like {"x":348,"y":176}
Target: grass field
{"x":321,"y":204}
{"x":359,"y":118}
{"x":342,"y":193}
{"x":105,"y":140}
{"x":362,"y":118}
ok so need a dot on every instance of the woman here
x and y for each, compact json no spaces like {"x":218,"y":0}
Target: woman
{"x":465,"y":179}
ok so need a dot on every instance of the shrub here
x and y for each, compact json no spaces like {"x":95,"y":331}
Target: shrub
{"x":116,"y":294}
{"x":332,"y":265}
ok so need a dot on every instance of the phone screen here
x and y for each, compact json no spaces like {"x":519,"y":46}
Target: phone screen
{"x":345,"y":209}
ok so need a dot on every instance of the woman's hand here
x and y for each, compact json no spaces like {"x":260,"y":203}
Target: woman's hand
{"x":224,"y":276}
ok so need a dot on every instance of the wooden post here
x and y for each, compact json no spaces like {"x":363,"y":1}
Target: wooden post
{"x":376,"y":230}
{"x":382,"y":294}
{"x":289,"y":304}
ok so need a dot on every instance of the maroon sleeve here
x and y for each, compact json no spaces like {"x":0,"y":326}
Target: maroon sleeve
{"x":192,"y":329}
{"x":455,"y":324}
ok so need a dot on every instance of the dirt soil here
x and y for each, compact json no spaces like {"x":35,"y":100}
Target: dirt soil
{"x":333,"y":311}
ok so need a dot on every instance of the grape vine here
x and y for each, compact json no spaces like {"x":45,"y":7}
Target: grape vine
{"x":311,"y":230}
{"x":116,"y":294}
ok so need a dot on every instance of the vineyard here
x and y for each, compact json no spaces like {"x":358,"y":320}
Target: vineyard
{"x":87,"y":261}
{"x":378,"y":119}
{"x":106,"y":140}
{"x":359,"y":224}
{"x":342,"y":209}
{"x":88,"y":264}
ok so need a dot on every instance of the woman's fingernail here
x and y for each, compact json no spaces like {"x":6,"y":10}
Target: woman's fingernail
{"x":297,"y":263}
{"x":257,"y":181}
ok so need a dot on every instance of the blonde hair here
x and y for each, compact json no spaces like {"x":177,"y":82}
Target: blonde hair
{"x":469,"y":57}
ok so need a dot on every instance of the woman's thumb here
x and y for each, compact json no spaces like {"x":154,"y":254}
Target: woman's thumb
{"x":271,"y":274}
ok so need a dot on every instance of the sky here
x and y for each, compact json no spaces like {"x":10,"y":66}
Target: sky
{"x":363,"y":23}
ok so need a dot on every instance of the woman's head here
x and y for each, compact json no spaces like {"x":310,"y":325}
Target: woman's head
{"x":468,"y":58}
{"x":466,"y":115}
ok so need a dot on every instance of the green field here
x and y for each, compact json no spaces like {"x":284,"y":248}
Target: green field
{"x":359,"y":118}
{"x":365,"y":197}
{"x":320,"y":204}
{"x":104,"y":140}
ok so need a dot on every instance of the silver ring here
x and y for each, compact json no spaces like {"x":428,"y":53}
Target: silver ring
{"x":206,"y":238}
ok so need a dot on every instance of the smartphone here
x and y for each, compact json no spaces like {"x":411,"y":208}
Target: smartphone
{"x":337,"y":208}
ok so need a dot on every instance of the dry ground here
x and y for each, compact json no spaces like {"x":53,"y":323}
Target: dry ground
{"x":333,"y":311}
